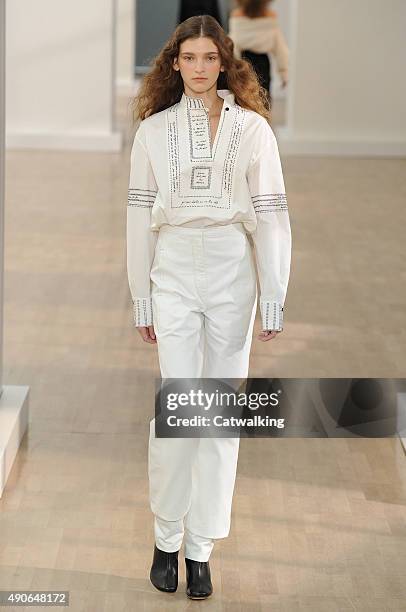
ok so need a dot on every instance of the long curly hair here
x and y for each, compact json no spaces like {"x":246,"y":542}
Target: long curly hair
{"x":253,"y":8}
{"x":163,"y":86}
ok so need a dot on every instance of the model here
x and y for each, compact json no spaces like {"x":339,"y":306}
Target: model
{"x":205,"y":173}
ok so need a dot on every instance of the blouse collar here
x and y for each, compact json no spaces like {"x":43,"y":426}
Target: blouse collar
{"x":192,"y":102}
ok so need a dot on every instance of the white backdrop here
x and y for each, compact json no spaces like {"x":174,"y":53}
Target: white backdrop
{"x":61,"y":74}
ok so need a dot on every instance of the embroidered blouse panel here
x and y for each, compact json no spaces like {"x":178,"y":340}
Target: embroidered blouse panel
{"x":177,"y":177}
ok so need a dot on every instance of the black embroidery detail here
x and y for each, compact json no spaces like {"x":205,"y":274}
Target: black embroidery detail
{"x":273,"y":196}
{"x":143,"y":198}
{"x":274,"y":319}
{"x":194,"y":102}
{"x":187,"y":179}
{"x":199,"y":131}
{"x":201,"y":177}
{"x":173,"y":149}
{"x":142,"y":311}
{"x":270,"y":202}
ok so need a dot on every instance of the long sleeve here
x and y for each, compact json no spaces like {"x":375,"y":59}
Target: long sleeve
{"x":272,"y":236}
{"x":141,"y":240}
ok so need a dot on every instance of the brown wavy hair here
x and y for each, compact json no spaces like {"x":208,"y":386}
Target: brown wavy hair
{"x":163,"y":86}
{"x":253,"y":8}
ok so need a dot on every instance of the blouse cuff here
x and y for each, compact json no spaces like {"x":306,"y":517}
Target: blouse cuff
{"x":142,"y":309}
{"x":271,"y":315}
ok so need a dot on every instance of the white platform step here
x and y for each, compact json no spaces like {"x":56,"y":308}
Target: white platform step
{"x":13,"y":424}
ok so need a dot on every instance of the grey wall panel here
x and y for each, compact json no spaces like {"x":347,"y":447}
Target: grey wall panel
{"x":154,"y":23}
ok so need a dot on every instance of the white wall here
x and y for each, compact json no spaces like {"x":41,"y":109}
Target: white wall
{"x":59,"y":74}
{"x":348,"y":89}
{"x":125,"y":42}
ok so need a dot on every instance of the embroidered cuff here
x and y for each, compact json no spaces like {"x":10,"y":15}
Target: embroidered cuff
{"x":142,"y":308}
{"x":271,"y":315}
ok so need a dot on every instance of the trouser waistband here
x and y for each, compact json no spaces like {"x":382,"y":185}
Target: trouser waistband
{"x":181,"y":229}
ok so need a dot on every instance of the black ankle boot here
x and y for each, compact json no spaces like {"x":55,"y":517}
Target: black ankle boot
{"x":164,"y":570}
{"x":198,"y":579}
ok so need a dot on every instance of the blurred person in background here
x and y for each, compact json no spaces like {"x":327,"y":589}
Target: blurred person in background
{"x":191,"y":8}
{"x":257,"y":37}
{"x":205,"y":173}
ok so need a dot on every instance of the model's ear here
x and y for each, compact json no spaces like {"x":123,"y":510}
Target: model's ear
{"x":175,"y":64}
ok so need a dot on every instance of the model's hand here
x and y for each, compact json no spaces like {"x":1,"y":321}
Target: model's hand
{"x":147,"y":334}
{"x":267,"y":334}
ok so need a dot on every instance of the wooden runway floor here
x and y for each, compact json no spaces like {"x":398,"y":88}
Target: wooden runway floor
{"x":318,"y":524}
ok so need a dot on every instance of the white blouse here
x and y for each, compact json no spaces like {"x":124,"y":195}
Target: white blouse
{"x":178,"y":178}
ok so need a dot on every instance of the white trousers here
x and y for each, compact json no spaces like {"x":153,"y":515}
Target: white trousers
{"x":204,"y":299}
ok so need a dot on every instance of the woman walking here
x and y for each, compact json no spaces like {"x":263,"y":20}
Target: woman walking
{"x":257,"y":37}
{"x":205,"y":172}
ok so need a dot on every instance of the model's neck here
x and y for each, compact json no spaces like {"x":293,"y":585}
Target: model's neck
{"x":209,"y":97}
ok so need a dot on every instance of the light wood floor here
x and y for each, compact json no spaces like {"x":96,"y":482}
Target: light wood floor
{"x":318,"y":525}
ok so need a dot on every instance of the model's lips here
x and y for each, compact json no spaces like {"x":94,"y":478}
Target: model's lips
{"x":200,"y":79}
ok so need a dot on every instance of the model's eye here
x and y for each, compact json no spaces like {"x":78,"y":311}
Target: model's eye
{"x":212,"y":57}
{"x":187,"y":57}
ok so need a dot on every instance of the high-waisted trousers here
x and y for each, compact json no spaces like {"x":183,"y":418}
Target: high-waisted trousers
{"x":204,"y":298}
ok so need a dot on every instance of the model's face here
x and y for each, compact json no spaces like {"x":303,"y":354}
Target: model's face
{"x":199,"y":64}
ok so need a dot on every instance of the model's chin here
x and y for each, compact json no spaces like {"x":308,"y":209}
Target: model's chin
{"x":200,"y":86}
